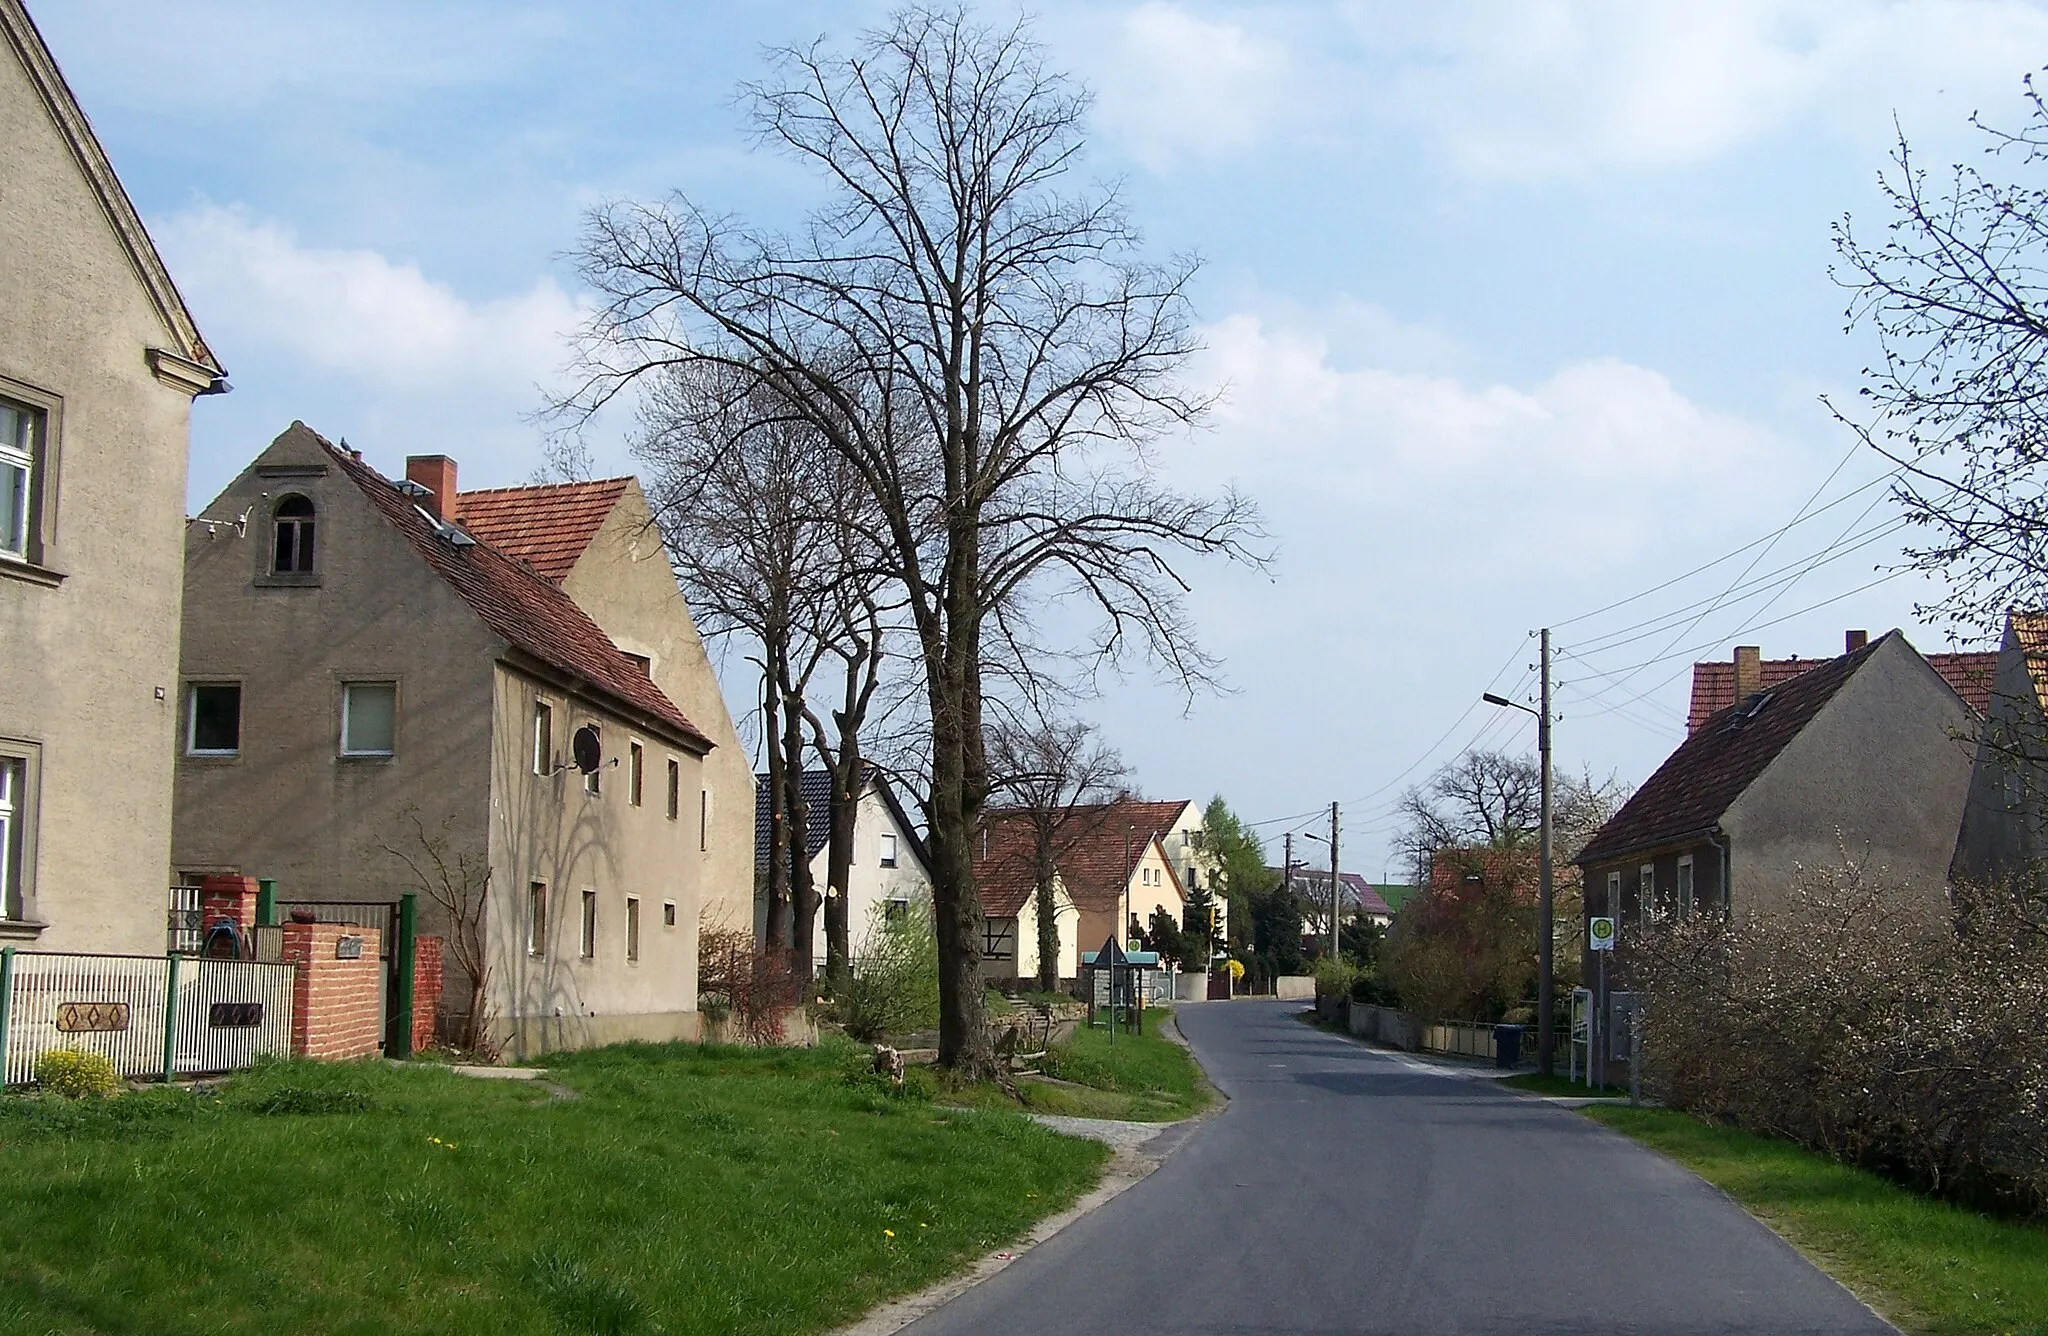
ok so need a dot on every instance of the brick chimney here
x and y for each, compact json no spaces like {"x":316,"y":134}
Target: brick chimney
{"x":1854,"y":641}
{"x":436,"y":473}
{"x":1749,"y":672}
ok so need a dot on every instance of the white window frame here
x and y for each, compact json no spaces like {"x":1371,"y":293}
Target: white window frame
{"x":19,"y":772}
{"x":347,"y":693}
{"x":537,"y":919}
{"x":1646,"y":892}
{"x":192,"y":747}
{"x":632,"y":930}
{"x":305,"y":535}
{"x":23,"y":457}
{"x":1686,"y":887}
{"x":887,"y":850}
{"x":543,"y":738}
{"x":586,"y":928}
{"x":1614,"y":896}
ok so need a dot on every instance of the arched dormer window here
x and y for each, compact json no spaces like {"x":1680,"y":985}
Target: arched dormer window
{"x":292,"y":552}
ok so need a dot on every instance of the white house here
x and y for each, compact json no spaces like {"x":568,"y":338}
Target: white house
{"x":891,"y":869}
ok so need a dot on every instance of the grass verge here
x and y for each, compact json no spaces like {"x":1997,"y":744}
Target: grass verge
{"x":1536,"y":1083}
{"x":686,"y":1190}
{"x":1927,"y":1266}
{"x":1144,"y":1078}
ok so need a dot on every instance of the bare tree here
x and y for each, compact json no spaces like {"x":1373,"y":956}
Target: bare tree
{"x":458,"y":883}
{"x":1482,"y":799}
{"x":1045,"y":770}
{"x":1956,"y":287}
{"x":976,"y":333}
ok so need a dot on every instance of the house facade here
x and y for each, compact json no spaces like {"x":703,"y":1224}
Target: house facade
{"x":100,"y":362}
{"x":890,"y":872}
{"x":1868,"y":754}
{"x":370,"y":690}
{"x":2004,"y":834}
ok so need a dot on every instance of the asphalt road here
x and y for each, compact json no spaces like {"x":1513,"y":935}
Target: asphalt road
{"x":1344,"y":1190}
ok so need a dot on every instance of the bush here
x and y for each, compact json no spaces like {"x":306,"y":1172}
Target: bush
{"x":1334,"y":978}
{"x":894,"y":987}
{"x":1872,"y":1023}
{"x":75,"y":1075}
{"x":739,"y":981}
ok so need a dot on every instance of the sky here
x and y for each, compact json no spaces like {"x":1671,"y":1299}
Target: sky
{"x":1517,"y":311}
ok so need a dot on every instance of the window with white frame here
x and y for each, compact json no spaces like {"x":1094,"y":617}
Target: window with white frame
{"x":632,"y":927}
{"x":543,"y":738}
{"x":1685,"y":890}
{"x":21,"y":429}
{"x":668,"y":914}
{"x":589,"y":933}
{"x":1614,"y":894}
{"x":888,"y":851}
{"x":291,"y":547}
{"x":213,"y":719}
{"x":537,"y":918}
{"x":1646,"y":891}
{"x":369,"y":718}
{"x":14,"y":821}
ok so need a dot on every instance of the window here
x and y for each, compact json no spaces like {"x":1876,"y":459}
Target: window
{"x":888,"y":851}
{"x":20,"y":426}
{"x":893,"y":910}
{"x":703,"y":819}
{"x":643,"y":663}
{"x":1193,"y":885}
{"x":1685,"y":905}
{"x":1613,"y":905}
{"x":589,"y":950}
{"x":668,"y":914}
{"x":635,"y":763}
{"x":14,"y":818}
{"x":213,"y":719}
{"x":591,"y":783}
{"x":632,"y":927}
{"x":999,"y":939}
{"x":537,"y":919}
{"x":543,"y":738}
{"x":1646,"y":891}
{"x":291,"y":549}
{"x":369,"y":718}
{"x":675,"y":788}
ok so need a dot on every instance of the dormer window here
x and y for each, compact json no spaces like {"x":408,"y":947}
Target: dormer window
{"x":292,"y":552}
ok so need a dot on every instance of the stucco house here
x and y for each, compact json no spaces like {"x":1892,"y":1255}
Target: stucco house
{"x":890,"y":870}
{"x":99,"y":364}
{"x":365,"y":671}
{"x":1112,"y":868}
{"x":2004,"y":834}
{"x":1869,"y":752}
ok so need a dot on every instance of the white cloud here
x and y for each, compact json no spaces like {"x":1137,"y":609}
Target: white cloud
{"x":1178,"y":85}
{"x":359,"y":313}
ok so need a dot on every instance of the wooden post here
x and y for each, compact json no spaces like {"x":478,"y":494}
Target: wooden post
{"x":407,"y":948}
{"x":171,"y":1019}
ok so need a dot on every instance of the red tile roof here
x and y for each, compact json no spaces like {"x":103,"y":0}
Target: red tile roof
{"x":547,"y":527}
{"x":518,"y":605}
{"x":1724,"y":756}
{"x":1713,"y":684}
{"x":1103,"y":844}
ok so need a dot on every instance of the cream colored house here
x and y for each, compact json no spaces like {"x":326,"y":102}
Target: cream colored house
{"x":366,"y":675}
{"x":890,"y":870}
{"x":99,"y":364}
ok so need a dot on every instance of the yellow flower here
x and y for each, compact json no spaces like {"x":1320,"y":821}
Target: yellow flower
{"x":890,"y":1232}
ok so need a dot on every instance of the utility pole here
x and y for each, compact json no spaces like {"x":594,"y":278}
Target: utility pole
{"x":1336,"y":887}
{"x":1546,"y":1002}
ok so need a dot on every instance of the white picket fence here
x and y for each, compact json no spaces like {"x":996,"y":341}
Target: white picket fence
{"x":157,"y":1016}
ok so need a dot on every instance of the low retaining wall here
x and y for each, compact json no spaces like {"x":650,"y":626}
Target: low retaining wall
{"x":1384,"y":1025}
{"x":1294,"y":987}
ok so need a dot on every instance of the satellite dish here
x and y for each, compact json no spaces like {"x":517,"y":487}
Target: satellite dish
{"x":585,"y":748}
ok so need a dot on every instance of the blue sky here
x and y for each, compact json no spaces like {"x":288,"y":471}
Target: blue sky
{"x":1517,"y":308}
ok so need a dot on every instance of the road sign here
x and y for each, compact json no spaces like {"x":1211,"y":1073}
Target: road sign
{"x":1600,"y":933}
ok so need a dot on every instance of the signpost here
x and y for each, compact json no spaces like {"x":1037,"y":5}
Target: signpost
{"x":1601,"y":931}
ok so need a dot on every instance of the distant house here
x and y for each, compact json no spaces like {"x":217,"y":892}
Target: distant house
{"x":1869,"y":752}
{"x":1311,"y":887}
{"x":891,"y":869}
{"x":1113,"y":870}
{"x":1719,"y":684}
{"x":100,"y":363}
{"x":2004,"y":833}
{"x":366,"y":671}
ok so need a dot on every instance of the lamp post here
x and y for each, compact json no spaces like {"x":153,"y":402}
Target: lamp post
{"x":1336,"y":901}
{"x":1546,"y":1037}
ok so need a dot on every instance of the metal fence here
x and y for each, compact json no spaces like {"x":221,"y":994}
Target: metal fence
{"x":149,"y":1015}
{"x":186,"y":921}
{"x":1457,"y":1038}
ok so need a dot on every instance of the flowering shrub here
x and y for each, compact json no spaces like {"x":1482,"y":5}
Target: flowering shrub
{"x":1871,"y":1022}
{"x":893,"y":988}
{"x":75,"y":1075}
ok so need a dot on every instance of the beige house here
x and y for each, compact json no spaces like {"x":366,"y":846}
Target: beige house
{"x":99,"y":364}
{"x":367,"y":674}
{"x":890,"y":870}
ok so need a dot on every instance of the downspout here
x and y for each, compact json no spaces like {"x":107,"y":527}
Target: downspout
{"x":1720,"y":842}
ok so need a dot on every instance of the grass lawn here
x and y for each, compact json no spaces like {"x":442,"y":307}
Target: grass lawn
{"x":1538,"y":1084}
{"x":1927,"y":1266}
{"x":1144,"y":1078}
{"x":685,"y":1190}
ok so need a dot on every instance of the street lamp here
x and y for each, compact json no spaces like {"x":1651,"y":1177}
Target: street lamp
{"x":1546,"y":1037}
{"x":1336,"y":902}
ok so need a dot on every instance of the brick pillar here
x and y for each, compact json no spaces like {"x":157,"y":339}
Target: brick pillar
{"x":334,"y":1000}
{"x":228,"y":898}
{"x":426,"y":991}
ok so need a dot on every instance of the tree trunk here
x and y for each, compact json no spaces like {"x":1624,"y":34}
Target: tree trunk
{"x":846,"y":788}
{"x":1048,"y":935}
{"x":803,"y":887}
{"x":959,"y":789}
{"x":775,"y":924}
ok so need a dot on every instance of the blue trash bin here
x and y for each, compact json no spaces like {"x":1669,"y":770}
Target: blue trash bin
{"x":1507,"y":1045}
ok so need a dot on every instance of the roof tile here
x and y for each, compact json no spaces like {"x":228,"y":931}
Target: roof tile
{"x":548,"y":527}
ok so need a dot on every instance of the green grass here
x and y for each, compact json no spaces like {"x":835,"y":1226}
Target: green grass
{"x":1928,"y":1266}
{"x":686,"y":1190}
{"x":1536,"y":1083}
{"x":1144,"y":1078}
